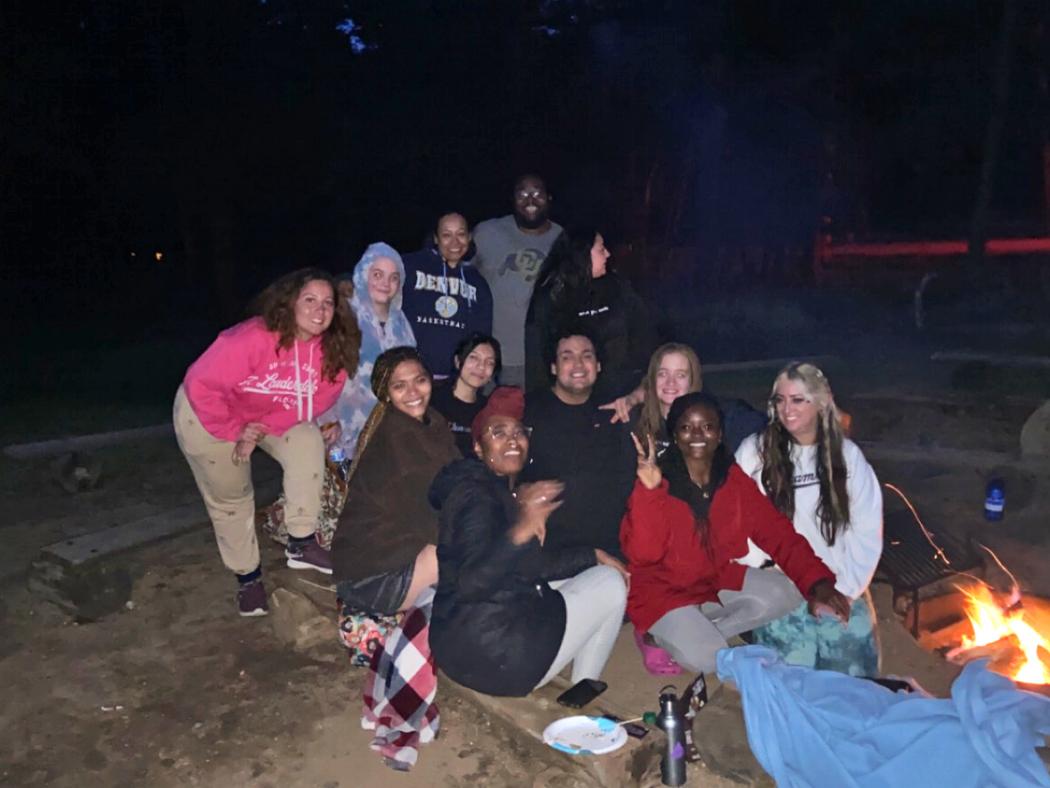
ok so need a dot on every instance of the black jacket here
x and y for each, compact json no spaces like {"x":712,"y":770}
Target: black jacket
{"x":576,"y":445}
{"x":612,"y":313}
{"x":497,"y":625}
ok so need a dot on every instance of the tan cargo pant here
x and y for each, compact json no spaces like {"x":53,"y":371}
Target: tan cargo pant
{"x":227,"y":488}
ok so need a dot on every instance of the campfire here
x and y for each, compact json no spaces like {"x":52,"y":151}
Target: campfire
{"x":975,"y":622}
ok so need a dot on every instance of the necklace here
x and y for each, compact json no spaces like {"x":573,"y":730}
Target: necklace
{"x":705,"y":489}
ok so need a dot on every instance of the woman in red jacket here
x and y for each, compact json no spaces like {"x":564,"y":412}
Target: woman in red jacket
{"x":261,"y":384}
{"x":687,"y":519}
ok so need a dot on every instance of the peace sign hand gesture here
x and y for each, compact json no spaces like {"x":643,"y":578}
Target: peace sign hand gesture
{"x":648,"y":471}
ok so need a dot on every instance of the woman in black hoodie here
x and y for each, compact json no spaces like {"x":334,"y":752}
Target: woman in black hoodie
{"x":498,"y":625}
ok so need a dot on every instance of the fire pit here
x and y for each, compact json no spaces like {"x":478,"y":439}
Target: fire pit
{"x":973,"y":622}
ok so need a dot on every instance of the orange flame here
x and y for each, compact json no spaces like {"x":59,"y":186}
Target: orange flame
{"x":991,"y":623}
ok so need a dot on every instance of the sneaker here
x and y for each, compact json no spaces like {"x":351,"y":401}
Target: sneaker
{"x":308,"y":555}
{"x":251,"y":599}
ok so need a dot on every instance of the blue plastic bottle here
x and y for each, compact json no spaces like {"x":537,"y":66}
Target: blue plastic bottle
{"x":994,"y":500}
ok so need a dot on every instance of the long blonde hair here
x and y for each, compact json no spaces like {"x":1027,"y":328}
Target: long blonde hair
{"x":651,"y":422}
{"x":775,"y":450}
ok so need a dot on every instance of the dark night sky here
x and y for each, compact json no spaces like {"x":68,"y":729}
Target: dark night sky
{"x":243,"y":139}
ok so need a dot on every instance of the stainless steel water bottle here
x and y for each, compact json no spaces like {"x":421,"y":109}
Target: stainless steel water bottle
{"x":673,"y":723}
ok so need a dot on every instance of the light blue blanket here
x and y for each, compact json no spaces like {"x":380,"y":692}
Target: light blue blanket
{"x":819,"y":728}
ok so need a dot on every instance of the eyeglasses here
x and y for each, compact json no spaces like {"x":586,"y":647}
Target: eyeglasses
{"x":517,"y":433}
{"x":535,"y":194}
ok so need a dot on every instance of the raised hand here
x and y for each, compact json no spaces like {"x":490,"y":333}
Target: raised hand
{"x":536,"y":501}
{"x":648,"y":471}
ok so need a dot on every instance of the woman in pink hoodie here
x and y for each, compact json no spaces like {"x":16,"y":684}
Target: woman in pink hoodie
{"x":262,"y":383}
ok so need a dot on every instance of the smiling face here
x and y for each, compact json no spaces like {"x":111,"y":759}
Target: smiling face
{"x":575,"y":370}
{"x":599,"y":257}
{"x":504,"y":445}
{"x":384,"y":281}
{"x":478,"y":367}
{"x":796,"y":410}
{"x":698,"y":433}
{"x":314,"y":308}
{"x":674,"y":378}
{"x":409,"y":389}
{"x":452,"y":238}
{"x":531,"y":203}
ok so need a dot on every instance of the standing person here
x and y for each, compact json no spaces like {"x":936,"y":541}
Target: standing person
{"x":445,"y":297}
{"x":689,"y":516}
{"x":820,"y":479}
{"x":383,"y":552}
{"x":261,"y":383}
{"x":511,"y":250}
{"x":376,"y":300}
{"x":577,"y":286}
{"x":576,"y":445}
{"x":477,"y":361}
{"x":498,"y":625}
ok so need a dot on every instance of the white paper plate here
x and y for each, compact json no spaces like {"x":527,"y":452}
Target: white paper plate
{"x":583,"y":735}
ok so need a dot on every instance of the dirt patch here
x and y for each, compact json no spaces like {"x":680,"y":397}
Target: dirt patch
{"x":178,"y":690}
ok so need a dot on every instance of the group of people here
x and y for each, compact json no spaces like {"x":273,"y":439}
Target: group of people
{"x":488,"y":422}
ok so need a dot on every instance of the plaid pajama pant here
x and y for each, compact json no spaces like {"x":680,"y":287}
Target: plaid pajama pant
{"x":400,"y":687}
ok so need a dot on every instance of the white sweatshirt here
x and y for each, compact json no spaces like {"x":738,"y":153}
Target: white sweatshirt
{"x":857,"y":549}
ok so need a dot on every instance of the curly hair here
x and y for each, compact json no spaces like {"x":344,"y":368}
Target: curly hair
{"x":341,"y":341}
{"x":382,"y":369}
{"x":775,"y":444}
{"x":672,"y":464}
{"x":651,"y":421}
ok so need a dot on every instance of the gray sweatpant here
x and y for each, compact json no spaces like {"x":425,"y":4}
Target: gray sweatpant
{"x":695,"y":633}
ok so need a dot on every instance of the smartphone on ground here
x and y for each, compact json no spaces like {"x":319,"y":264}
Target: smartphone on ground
{"x":581,"y":693}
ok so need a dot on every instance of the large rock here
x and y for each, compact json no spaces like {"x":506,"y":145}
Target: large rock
{"x":298,"y":623}
{"x":1035,"y":434}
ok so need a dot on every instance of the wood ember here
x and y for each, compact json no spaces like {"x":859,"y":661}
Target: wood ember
{"x":1002,"y":649}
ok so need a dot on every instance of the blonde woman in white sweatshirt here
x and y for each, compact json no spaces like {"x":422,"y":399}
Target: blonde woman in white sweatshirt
{"x":820,"y":479}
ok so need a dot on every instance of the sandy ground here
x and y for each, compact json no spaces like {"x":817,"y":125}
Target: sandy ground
{"x":177,"y":690}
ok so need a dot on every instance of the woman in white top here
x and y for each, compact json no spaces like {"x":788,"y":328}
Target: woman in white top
{"x":820,"y":479}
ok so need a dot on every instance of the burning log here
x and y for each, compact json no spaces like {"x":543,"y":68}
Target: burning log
{"x":1004,"y":649}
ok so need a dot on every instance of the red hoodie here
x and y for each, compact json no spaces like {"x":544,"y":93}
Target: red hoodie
{"x":244,"y":377}
{"x":671,"y":569}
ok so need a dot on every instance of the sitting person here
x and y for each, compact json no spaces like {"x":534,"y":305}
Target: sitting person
{"x":383,"y":553}
{"x":573,"y":443}
{"x":498,"y":625}
{"x":689,"y":516}
{"x":476,"y":362}
{"x":820,"y":479}
{"x":260,"y":384}
{"x":674,"y":369}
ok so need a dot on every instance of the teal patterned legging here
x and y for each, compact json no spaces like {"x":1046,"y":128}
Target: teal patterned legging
{"x":825,"y":643}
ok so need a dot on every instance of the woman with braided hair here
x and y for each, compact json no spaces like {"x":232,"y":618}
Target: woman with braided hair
{"x":383,"y":552}
{"x":819,"y":478}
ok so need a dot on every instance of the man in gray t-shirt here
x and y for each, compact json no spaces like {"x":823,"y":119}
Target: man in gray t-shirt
{"x":511,"y":251}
